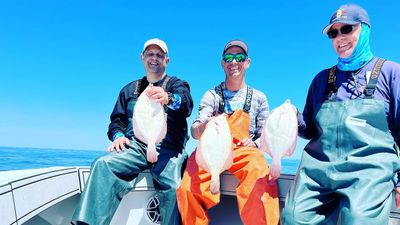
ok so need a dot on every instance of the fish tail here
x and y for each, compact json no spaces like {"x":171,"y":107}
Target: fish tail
{"x":152,"y":154}
{"x":215,"y":184}
{"x":275,"y":168}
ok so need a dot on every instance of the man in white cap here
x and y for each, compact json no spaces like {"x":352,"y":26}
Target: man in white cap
{"x":351,"y":117}
{"x":112,"y":175}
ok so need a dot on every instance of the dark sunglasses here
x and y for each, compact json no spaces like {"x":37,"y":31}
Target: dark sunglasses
{"x":151,"y":54}
{"x":240,"y":57}
{"x":346,"y":29}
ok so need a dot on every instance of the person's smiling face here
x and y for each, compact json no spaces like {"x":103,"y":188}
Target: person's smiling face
{"x":344,"y":44}
{"x":154,"y":60}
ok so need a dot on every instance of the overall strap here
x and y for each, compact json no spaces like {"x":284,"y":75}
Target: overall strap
{"x":165,"y":82}
{"x":331,"y":88}
{"x":249,"y":96}
{"x":370,"y":88}
{"x":138,"y":85}
{"x":218,"y":90}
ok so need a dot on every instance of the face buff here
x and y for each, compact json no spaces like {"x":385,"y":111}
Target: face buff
{"x":361,"y":55}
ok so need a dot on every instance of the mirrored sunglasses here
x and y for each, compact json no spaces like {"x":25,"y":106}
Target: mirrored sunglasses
{"x":240,"y":57}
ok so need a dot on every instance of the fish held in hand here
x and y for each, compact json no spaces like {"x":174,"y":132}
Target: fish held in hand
{"x":279,"y":135}
{"x":149,"y":124}
{"x":215,"y":150}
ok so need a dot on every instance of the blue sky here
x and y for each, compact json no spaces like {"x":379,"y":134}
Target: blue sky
{"x":62,"y":63}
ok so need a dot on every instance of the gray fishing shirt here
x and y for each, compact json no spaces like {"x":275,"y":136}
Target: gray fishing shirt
{"x":235,"y":100}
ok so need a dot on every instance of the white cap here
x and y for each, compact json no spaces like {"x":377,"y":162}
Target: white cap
{"x":158,"y":42}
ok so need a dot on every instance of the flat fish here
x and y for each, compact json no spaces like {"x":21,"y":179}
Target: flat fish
{"x":215,"y":150}
{"x":279,"y":135}
{"x":149,"y":124}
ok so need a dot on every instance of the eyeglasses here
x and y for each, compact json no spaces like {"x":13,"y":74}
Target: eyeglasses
{"x":346,"y":29}
{"x":240,"y":57}
{"x":151,"y":54}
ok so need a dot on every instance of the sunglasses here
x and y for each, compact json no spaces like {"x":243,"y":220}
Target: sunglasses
{"x":151,"y":54}
{"x":346,"y":29}
{"x":240,"y":57}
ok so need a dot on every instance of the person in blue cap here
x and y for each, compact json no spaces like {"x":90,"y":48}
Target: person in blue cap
{"x":352,"y":118}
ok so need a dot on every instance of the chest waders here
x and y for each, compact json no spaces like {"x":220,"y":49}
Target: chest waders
{"x":257,"y":194}
{"x":112,"y":176}
{"x":348,"y":169}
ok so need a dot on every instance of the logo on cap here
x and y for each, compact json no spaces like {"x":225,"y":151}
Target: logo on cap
{"x":339,"y":13}
{"x":348,"y":14}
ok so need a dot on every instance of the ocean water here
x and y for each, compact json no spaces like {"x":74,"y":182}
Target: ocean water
{"x":13,"y":158}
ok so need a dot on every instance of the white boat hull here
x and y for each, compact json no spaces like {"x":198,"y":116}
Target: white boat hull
{"x":49,"y":196}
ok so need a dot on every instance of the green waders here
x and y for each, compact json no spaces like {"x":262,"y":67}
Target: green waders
{"x":112,"y":177}
{"x":348,"y":169}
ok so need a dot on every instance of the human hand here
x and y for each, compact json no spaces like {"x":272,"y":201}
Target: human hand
{"x":214,"y":121}
{"x":200,"y":127}
{"x":397,"y":190}
{"x":119,"y":144}
{"x":157,"y":94}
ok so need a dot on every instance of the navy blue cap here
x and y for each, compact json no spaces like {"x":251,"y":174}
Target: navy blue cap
{"x":348,"y":14}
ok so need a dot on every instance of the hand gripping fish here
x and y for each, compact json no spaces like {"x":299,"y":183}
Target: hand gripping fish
{"x":215,"y":151}
{"x":279,"y":135}
{"x":149,"y":124}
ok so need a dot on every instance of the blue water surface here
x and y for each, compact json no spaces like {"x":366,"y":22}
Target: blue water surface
{"x":14,"y":158}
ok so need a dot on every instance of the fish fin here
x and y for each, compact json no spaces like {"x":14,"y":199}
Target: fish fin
{"x":292,"y":147}
{"x":137,"y":123}
{"x":200,"y":159}
{"x":136,"y":129}
{"x":264,"y":141}
{"x":229,"y":161}
{"x":163,"y":131}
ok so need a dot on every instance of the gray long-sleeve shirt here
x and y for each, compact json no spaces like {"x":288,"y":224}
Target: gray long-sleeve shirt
{"x":235,"y":100}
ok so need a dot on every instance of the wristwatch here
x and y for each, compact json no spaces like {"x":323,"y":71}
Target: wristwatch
{"x":171,"y":98}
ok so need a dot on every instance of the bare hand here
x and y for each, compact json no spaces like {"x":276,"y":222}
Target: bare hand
{"x":157,"y":94}
{"x":247,"y":142}
{"x":198,"y":128}
{"x":213,"y":120}
{"x":119,"y":144}
{"x":397,"y":190}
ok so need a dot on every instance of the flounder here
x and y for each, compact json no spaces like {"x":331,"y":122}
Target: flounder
{"x":279,"y":135}
{"x":149,"y":124}
{"x":215,"y":150}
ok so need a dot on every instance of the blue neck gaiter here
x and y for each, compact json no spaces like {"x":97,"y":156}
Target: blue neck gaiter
{"x":361,"y":55}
